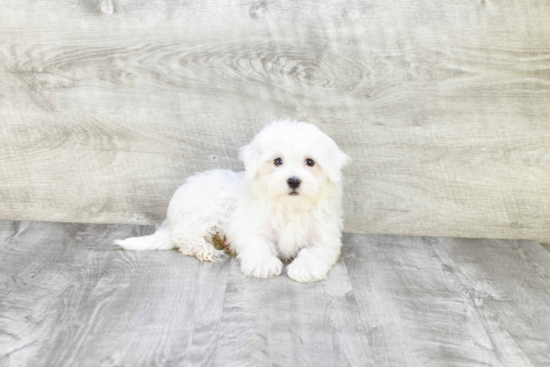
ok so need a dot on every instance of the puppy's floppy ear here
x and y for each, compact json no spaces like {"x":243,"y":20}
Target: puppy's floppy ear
{"x":250,"y":156}
{"x":336,"y":161}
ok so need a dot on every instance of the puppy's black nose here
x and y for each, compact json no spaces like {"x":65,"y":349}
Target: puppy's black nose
{"x":293,"y":182}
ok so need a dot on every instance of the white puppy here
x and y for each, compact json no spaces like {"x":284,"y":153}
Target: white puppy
{"x":285,"y":206}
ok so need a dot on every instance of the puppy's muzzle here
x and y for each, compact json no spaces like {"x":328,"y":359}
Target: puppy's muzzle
{"x":293,"y":183}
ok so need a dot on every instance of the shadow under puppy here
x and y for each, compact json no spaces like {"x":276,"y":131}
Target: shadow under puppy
{"x":286,"y":205}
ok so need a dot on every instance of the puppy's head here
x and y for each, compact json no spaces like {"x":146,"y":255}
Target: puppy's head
{"x":293,"y":163}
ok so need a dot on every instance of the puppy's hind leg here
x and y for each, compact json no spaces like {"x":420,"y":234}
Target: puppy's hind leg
{"x":196,"y":246}
{"x":205,"y":251}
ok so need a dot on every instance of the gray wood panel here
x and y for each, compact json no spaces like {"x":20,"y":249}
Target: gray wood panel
{"x":493,"y":275}
{"x":106,"y":107}
{"x":280,"y":322}
{"x":448,"y":301}
{"x":47,"y":272}
{"x":417,"y":313}
{"x":69,"y":297}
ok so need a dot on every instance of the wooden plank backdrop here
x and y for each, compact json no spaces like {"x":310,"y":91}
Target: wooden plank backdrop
{"x":106,"y":106}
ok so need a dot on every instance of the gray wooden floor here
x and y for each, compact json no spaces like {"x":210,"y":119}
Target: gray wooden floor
{"x":68,"y":297}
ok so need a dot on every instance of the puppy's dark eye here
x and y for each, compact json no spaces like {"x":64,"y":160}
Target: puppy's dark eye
{"x":277,"y":161}
{"x":310,"y":162}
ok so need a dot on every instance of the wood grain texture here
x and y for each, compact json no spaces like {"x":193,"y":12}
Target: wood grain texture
{"x":70,"y":297}
{"x":279,"y":322}
{"x":493,"y":275}
{"x":448,"y":301}
{"x":106,"y":106}
{"x":47,"y":272}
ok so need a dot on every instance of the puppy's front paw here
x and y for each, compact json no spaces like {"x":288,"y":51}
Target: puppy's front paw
{"x":305,"y":271}
{"x":261,"y":267}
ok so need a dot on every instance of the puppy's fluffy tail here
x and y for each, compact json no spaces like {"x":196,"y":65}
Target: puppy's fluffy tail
{"x":160,"y":240}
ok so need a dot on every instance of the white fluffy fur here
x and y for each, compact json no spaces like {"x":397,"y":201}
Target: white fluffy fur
{"x":262,"y":222}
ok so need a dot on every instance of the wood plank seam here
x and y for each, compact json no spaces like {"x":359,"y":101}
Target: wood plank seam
{"x":470,"y":296}
{"x":230,"y":259}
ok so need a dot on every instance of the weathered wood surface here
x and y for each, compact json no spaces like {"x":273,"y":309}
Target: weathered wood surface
{"x":106,"y":106}
{"x":69,"y":297}
{"x":291,"y":324}
{"x":461,"y":302}
{"x":500,"y":293}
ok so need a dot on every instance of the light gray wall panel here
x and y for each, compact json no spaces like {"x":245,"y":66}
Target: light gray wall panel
{"x":106,"y":107}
